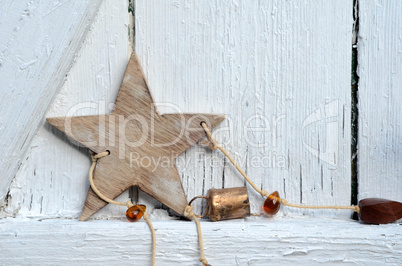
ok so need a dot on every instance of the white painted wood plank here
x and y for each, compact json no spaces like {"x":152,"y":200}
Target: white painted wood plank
{"x":380,"y":97}
{"x":38,"y":43}
{"x":272,"y":65}
{"x":282,"y":65}
{"x":292,"y":241}
{"x":53,"y":179}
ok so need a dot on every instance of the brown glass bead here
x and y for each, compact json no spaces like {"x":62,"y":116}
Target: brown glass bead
{"x":379,"y":211}
{"x":135,"y":213}
{"x":272,"y":204}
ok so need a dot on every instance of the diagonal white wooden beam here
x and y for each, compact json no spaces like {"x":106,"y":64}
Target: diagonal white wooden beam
{"x":37,"y":47}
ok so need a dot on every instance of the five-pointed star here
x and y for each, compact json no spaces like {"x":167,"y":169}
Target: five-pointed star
{"x":143,"y":144}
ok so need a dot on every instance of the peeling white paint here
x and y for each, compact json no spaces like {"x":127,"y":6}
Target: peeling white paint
{"x":215,"y":70}
{"x":380,"y":97}
{"x":281,"y":60}
{"x":264,"y":64}
{"x":254,"y":241}
{"x":36,"y":48}
{"x":53,"y":181}
{"x":225,"y":58}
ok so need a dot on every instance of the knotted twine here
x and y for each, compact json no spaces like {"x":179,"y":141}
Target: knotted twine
{"x":129,"y":204}
{"x":188,"y":212}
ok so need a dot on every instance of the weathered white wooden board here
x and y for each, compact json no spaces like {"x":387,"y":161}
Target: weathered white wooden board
{"x":281,"y":63}
{"x":37,"y":46}
{"x":281,"y":77}
{"x":279,"y":70}
{"x":380,"y":98}
{"x":53,"y":180}
{"x":272,"y":242}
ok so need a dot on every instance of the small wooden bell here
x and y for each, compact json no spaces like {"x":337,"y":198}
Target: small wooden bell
{"x":379,"y":211}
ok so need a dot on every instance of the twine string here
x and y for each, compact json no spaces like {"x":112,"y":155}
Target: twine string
{"x":214,"y":145}
{"x":286,"y":203}
{"x":189,"y":213}
{"x":95,"y":157}
{"x":146,"y":218}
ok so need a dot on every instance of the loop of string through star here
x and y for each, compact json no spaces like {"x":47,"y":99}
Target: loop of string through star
{"x":189,"y":213}
{"x":129,"y":204}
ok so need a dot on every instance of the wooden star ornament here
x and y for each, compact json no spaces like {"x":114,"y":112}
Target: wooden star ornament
{"x":143,"y":144}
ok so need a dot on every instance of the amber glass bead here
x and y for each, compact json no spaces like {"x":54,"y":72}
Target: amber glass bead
{"x":271,"y":204}
{"x":135,"y":213}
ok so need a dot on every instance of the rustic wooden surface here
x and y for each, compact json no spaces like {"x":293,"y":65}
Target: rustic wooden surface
{"x":269,"y":58}
{"x":54,"y":166}
{"x":143,"y":145}
{"x":263,"y":85}
{"x":380,"y":97}
{"x":37,"y":46}
{"x":281,"y":76}
{"x":261,"y":241}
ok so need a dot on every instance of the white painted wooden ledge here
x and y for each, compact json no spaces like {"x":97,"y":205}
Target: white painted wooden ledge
{"x":264,"y":241}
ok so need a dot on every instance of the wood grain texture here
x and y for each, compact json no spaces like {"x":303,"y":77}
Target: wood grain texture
{"x":142,"y":143}
{"x":284,"y":241}
{"x":380,"y":97}
{"x":37,"y":47}
{"x":53,"y":180}
{"x":268,"y":66}
{"x":280,"y":59}
{"x":280,"y":70}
